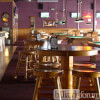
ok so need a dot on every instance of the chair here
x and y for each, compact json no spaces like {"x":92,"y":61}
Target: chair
{"x":26,"y":63}
{"x":32,"y":44}
{"x":48,"y":61}
{"x":92,"y":73}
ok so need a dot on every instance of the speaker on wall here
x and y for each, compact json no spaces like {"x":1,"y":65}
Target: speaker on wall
{"x":15,"y":0}
{"x":40,"y":5}
{"x":92,"y":6}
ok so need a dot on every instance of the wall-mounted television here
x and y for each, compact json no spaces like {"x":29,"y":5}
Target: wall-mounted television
{"x":74,"y":14}
{"x":98,"y":15}
{"x":44,"y":15}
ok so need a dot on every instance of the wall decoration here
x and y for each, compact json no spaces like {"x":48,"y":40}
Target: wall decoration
{"x":5,"y":17}
{"x":49,"y":23}
{"x":32,"y":21}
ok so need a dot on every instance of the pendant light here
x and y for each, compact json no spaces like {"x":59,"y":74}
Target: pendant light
{"x":88,"y":16}
{"x":79,"y":13}
{"x":64,"y":17}
{"x":56,"y":16}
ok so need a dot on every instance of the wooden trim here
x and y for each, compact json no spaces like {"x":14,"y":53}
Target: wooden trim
{"x":24,"y":33}
{"x":6,"y":0}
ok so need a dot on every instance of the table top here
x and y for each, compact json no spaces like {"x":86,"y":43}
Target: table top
{"x":65,"y":50}
{"x":94,"y":44}
{"x":62,"y":34}
{"x":79,"y":37}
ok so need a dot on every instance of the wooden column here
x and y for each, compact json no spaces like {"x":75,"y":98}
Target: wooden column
{"x":94,"y":16}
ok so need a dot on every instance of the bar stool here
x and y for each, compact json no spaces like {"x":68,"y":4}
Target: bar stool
{"x":48,"y":61}
{"x":93,"y":73}
{"x":84,"y":65}
{"x":42,"y":73}
{"x":26,"y":62}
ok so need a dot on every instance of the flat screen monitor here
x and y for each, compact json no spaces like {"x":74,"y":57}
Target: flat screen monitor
{"x":45,"y":15}
{"x":98,"y":15}
{"x":74,"y":15}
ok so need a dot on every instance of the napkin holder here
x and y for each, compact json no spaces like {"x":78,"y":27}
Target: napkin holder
{"x":38,"y":37}
{"x":54,"y":42}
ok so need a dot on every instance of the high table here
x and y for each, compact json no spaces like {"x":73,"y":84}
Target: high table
{"x":67,"y":53}
{"x":97,"y":45}
{"x":78,"y":39}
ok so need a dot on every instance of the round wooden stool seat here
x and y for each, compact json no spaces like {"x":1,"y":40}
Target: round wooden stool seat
{"x":49,"y":64}
{"x":84,"y":65}
{"x":86,"y":72}
{"x":47,"y":72}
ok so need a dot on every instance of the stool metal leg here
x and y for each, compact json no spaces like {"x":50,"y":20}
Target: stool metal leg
{"x":17,"y":70}
{"x":97,"y":85}
{"x":37,"y":85}
{"x":58,"y":86}
{"x":78,"y":79}
{"x":77,"y":86}
{"x":26,"y":68}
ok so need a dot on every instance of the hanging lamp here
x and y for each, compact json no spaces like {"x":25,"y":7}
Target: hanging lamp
{"x":56,"y":16}
{"x":88,"y":16}
{"x":64,"y":17}
{"x":79,"y":13}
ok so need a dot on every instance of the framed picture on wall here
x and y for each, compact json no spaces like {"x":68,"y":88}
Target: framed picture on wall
{"x":32,"y":21}
{"x":49,"y":23}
